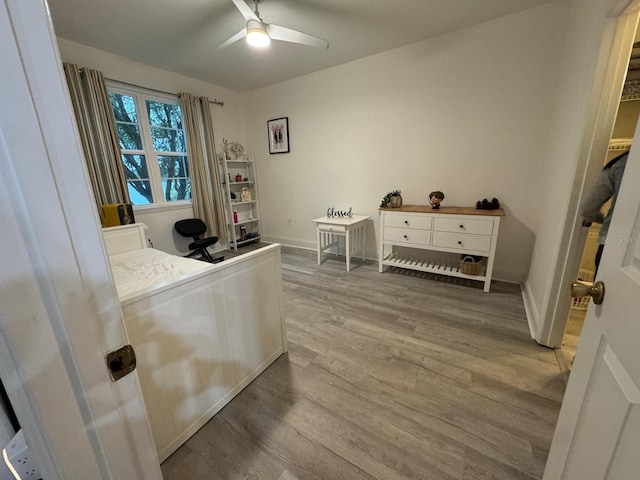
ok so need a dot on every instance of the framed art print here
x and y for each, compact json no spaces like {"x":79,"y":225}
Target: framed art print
{"x":278,"y":129}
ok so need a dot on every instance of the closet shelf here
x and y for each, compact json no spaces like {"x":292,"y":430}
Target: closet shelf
{"x":620,"y":144}
{"x":631,"y":91}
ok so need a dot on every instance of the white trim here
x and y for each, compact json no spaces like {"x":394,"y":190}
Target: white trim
{"x":155,"y":207}
{"x":613,"y":59}
{"x":533,"y":317}
{"x":125,"y":88}
{"x":292,"y":242}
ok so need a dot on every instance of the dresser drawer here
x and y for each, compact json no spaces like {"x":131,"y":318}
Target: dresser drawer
{"x":464,"y":242}
{"x":476,"y":226}
{"x":407,"y":235}
{"x":332,"y":228}
{"x":407,"y":220}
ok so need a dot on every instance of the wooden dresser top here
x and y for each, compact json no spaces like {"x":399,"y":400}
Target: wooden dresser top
{"x":498,"y":212}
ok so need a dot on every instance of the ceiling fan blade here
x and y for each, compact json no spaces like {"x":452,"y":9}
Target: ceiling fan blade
{"x":245,"y":10}
{"x":241,"y":34}
{"x":276,"y":32}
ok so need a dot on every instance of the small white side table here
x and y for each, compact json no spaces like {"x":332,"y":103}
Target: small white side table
{"x":330,"y":229}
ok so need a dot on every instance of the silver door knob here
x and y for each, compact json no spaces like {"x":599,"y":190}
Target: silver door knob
{"x":596,"y":291}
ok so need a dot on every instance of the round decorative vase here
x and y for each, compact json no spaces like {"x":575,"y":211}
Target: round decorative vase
{"x":395,"y":202}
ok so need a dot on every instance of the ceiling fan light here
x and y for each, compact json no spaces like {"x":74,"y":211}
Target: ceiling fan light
{"x":257,"y":35}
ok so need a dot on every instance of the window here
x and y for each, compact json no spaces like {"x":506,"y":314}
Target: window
{"x":153,"y":146}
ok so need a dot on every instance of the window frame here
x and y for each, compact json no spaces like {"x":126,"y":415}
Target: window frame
{"x":140,"y":96}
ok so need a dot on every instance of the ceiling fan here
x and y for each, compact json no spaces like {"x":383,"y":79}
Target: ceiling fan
{"x":260,"y":34}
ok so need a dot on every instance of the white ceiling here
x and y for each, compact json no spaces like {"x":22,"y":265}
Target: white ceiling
{"x":181,"y":35}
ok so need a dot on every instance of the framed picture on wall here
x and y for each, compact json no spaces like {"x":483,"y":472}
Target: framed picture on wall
{"x":278,"y":130}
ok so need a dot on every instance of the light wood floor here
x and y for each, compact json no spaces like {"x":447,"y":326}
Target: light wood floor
{"x":388,"y":376}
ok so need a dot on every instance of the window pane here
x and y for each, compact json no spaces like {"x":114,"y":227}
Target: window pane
{"x":124,"y":107}
{"x":175,"y":177}
{"x":135,"y":187}
{"x":137,"y":173}
{"x":173,"y":166}
{"x":168,"y":139}
{"x":124,"y":111}
{"x":164,"y":115}
{"x":176,"y":189}
{"x":129,"y":135}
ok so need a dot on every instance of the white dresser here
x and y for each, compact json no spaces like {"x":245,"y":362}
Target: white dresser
{"x":456,"y":230}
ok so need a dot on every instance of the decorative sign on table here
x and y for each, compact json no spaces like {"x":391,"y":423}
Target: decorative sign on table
{"x":333,"y":213}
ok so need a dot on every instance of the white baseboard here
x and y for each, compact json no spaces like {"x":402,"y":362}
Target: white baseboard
{"x":533,"y":317}
{"x":291,"y":242}
{"x":309,"y":245}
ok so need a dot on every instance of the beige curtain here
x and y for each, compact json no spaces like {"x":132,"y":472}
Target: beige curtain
{"x":98,"y":134}
{"x":206,"y":191}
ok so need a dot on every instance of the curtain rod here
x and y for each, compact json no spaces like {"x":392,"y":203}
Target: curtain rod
{"x":215,"y":101}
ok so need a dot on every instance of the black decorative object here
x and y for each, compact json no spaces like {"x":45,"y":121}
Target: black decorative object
{"x":485,"y":204}
{"x":334,"y":213}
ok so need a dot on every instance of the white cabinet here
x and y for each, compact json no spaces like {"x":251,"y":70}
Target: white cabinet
{"x":458,"y":231}
{"x":241,"y":208}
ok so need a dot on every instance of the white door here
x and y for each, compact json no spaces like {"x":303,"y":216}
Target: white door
{"x":59,"y":312}
{"x":598,"y":431}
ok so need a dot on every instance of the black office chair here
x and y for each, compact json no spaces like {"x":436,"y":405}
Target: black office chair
{"x":194,"y":228}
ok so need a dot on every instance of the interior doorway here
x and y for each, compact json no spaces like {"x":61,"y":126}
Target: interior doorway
{"x":620,"y":142}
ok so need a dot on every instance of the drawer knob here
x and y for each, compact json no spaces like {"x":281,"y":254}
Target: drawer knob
{"x":459,"y":242}
{"x":406,"y":222}
{"x":461,"y":226}
{"x":405,"y":237}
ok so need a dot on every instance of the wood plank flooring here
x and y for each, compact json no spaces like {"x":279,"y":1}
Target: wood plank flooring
{"x":399,"y":375}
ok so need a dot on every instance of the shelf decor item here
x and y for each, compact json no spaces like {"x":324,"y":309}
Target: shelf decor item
{"x":470,"y":265}
{"x":278,"y":130}
{"x":237,"y":150}
{"x":226,"y":146}
{"x":393,"y":199}
{"x":435,"y":199}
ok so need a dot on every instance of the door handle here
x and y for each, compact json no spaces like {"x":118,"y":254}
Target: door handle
{"x":596,"y":291}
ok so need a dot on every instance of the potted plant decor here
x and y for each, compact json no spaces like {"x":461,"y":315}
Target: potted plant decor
{"x":392,"y":199}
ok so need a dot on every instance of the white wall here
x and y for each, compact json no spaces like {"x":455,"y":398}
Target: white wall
{"x":465,"y":113}
{"x":228,"y":121}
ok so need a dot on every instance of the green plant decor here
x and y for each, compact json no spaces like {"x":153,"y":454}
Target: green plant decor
{"x":386,"y":200}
